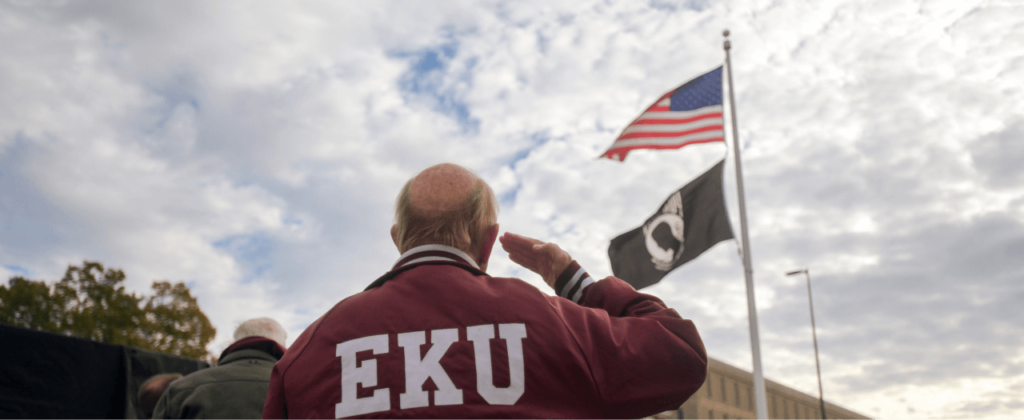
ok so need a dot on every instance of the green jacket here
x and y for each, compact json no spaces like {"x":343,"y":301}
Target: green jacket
{"x":235,"y":389}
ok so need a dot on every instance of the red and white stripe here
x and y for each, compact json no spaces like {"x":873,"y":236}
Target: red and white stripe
{"x":660,"y":128}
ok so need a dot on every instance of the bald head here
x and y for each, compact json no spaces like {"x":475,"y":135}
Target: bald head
{"x":445,"y":204}
{"x":443,"y":189}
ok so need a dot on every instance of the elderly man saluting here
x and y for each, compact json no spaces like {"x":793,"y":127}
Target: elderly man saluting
{"x":438,"y":337}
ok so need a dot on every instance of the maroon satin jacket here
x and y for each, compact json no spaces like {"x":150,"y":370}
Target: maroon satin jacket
{"x":437,"y":337}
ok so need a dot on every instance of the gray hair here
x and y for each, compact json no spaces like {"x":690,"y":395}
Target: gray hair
{"x":261,"y":327}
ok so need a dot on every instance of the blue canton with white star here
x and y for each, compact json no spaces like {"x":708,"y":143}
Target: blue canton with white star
{"x":704,"y":90}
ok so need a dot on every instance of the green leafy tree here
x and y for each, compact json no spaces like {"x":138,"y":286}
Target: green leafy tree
{"x":92,"y":303}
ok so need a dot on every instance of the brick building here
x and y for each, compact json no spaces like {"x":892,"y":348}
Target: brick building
{"x":728,"y":393}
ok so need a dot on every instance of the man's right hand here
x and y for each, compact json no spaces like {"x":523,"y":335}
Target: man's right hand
{"x":544,"y":258}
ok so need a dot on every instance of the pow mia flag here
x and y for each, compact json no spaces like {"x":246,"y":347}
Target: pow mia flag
{"x":692,"y":220}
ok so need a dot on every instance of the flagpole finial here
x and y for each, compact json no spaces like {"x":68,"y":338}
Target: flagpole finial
{"x":725,"y":33}
{"x":726,"y":45}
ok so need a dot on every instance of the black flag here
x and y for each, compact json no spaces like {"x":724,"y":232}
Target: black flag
{"x":687,"y":224}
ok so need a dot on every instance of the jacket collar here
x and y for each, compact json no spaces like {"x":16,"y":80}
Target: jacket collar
{"x":428,"y":254}
{"x":424,"y":253}
{"x":246,"y":354}
{"x":263,"y":344}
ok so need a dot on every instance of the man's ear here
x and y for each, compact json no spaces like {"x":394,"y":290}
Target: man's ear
{"x":394,"y":237}
{"x":490,"y":236}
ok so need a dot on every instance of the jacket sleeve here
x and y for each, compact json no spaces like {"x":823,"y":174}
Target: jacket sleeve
{"x":274,"y":407}
{"x":644,"y":357}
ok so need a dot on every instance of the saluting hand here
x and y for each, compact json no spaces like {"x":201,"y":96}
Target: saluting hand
{"x":544,"y":258}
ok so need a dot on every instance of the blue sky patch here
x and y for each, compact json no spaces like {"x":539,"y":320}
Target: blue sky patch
{"x":252,"y":251}
{"x":18,"y":270}
{"x":429,"y":77}
{"x":290,"y":220}
{"x":674,"y":6}
{"x":509,"y":197}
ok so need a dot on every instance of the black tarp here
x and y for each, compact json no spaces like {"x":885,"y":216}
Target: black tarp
{"x":45,"y":375}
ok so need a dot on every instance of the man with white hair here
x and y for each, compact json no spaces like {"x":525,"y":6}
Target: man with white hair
{"x":438,"y":337}
{"x":237,"y":387}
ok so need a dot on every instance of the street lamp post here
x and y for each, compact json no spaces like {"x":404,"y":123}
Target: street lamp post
{"x":817,"y":364}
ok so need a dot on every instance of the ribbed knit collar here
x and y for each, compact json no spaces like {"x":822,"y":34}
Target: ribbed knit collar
{"x":428,"y":254}
{"x":424,"y":253}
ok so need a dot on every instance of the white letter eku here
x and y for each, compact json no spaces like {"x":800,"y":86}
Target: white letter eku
{"x":351,"y":376}
{"x":513,"y":334}
{"x":418,"y":370}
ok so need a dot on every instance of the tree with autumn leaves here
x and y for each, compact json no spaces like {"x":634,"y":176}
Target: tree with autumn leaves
{"x":91,"y":302}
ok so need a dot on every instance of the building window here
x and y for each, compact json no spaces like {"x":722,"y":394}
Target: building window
{"x":724,"y":397}
{"x":711,"y":414}
{"x":775,"y":407}
{"x":785,"y":409}
{"x":736,"y":387}
{"x":709,"y":387}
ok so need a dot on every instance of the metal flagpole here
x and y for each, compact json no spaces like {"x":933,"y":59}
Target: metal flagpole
{"x":760,"y":401}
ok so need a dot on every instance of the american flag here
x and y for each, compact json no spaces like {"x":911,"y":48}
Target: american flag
{"x":689,"y":114}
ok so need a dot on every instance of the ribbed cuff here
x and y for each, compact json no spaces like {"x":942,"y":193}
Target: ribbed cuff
{"x":572,"y":282}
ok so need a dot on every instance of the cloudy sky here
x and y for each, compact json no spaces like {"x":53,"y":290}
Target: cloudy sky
{"x":254,"y":150}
